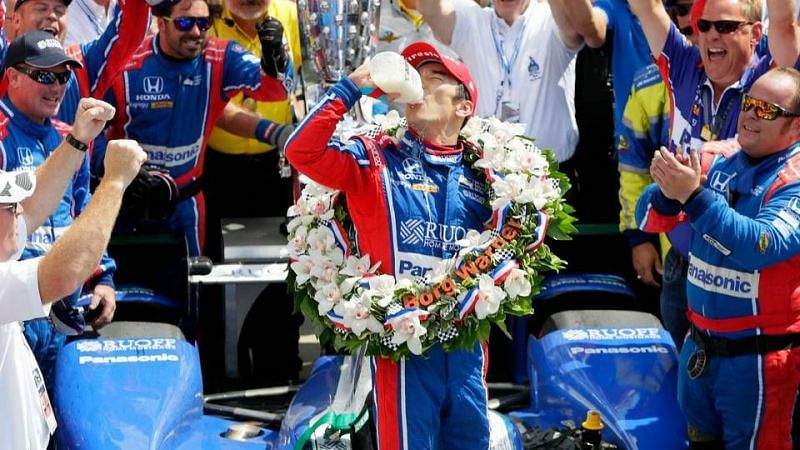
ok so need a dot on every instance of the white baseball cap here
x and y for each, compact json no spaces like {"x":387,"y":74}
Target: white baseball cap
{"x":16,"y":186}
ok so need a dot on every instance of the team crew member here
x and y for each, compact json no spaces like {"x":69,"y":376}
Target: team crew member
{"x":102,"y":59}
{"x":645,"y":129}
{"x":26,"y":287}
{"x":254,"y":160}
{"x":437,"y":400}
{"x":744,"y":271}
{"x":173,"y":91}
{"x":706,"y":82}
{"x":522,"y":54}
{"x":37,"y":68}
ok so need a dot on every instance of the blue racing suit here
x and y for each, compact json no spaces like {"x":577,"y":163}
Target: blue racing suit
{"x":743,"y":282}
{"x":25,"y":144}
{"x":410,"y":202}
{"x":170,"y":107}
{"x":103,"y":59}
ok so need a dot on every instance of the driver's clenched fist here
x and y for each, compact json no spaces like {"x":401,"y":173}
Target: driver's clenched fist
{"x":124,"y":158}
{"x":91,"y":118}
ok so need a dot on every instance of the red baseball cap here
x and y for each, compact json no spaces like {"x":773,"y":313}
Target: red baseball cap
{"x":418,"y":53}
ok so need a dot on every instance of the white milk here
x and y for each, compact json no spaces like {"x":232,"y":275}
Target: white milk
{"x":393,"y":75}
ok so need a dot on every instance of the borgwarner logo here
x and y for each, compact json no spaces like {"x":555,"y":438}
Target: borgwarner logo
{"x":606,"y":334}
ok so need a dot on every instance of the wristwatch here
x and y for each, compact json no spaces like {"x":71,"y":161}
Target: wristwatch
{"x":71,"y":140}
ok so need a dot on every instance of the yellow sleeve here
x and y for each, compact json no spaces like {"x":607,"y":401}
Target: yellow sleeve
{"x":631,"y":185}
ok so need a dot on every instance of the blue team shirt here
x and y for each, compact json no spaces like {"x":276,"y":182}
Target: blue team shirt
{"x":629,"y":52}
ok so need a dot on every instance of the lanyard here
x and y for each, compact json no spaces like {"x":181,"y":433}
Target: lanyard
{"x":501,"y":54}
{"x":712,"y":123}
{"x":98,"y":27}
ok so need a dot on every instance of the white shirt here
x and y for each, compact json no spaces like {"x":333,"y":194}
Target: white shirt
{"x":86,"y":20}
{"x":542,"y":75}
{"x":23,"y":425}
{"x":397,"y":31}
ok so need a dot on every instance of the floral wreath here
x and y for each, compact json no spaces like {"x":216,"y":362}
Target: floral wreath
{"x":493,"y":275}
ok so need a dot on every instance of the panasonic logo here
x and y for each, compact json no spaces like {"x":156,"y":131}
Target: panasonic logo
{"x":163,"y":357}
{"x":618,"y":350}
{"x":721,"y":280}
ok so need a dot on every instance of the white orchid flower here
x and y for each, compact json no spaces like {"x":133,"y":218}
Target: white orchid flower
{"x":531,"y":160}
{"x":508,"y":189}
{"x":355,"y":266}
{"x":320,"y":241}
{"x":302,"y":269}
{"x":389,"y":121}
{"x":474,"y":238}
{"x":473,"y":127}
{"x":296,"y":222}
{"x":325,"y":271}
{"x":517,"y":284}
{"x":408,"y":329}
{"x":383,"y":287}
{"x":327,"y":297}
{"x":313,"y":189}
{"x":321,"y":206}
{"x":489,"y":297}
{"x":298,"y":244}
{"x":495,"y":157}
{"x":356,"y":315}
{"x":300,"y":207}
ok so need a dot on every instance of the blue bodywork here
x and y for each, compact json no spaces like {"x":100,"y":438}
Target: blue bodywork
{"x":137,"y":393}
{"x":628,"y":373}
{"x":146,"y":393}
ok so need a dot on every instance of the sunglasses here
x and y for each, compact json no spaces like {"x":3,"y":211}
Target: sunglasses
{"x":10,"y":207}
{"x":682,"y":9}
{"x":186,"y":23}
{"x":722,"y":26}
{"x":765,"y":110}
{"x":47,"y":77}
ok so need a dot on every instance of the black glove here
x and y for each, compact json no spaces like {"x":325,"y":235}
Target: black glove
{"x":151,"y":196}
{"x":274,"y":57}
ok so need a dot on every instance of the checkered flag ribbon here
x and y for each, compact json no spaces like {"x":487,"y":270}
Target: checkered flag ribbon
{"x":444,"y":335}
{"x":504,"y":254}
{"x":386,"y":341}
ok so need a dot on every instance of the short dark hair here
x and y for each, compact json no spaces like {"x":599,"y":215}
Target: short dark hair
{"x":793,"y":75}
{"x":164,"y":9}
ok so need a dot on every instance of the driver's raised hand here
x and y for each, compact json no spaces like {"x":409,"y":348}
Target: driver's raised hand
{"x":124,"y":157}
{"x":91,"y":118}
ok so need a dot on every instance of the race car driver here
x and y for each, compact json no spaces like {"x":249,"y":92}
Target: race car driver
{"x":741,"y":365}
{"x":175,"y":88}
{"x":437,"y":400}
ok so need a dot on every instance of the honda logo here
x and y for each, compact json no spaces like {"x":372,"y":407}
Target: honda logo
{"x":25,"y":156}
{"x":719,"y":181}
{"x":153,"y":85}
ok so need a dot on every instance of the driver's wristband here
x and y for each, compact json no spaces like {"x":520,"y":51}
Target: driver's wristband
{"x":75,"y":143}
{"x":268,"y":131}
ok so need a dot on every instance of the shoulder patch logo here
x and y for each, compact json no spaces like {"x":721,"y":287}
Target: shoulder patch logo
{"x":534,"y":71}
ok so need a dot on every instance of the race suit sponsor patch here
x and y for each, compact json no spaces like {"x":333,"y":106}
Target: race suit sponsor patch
{"x":724,"y":281}
{"x":164,"y":156}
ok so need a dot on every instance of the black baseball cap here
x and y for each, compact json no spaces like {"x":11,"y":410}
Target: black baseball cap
{"x":19,"y":3}
{"x":38,"y":49}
